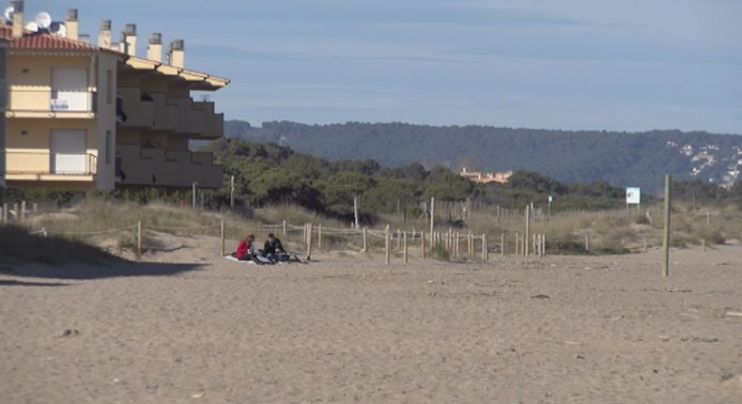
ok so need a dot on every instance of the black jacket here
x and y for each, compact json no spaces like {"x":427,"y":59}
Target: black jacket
{"x":273,"y":248}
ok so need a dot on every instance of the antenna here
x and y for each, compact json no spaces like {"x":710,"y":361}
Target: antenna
{"x":32,"y":27}
{"x":43,"y":20}
{"x":57,"y":28}
{"x":9,"y":14}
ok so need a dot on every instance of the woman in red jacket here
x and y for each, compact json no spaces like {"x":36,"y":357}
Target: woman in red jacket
{"x":245,"y":248}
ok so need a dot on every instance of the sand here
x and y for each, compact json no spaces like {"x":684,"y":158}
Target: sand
{"x":344,"y":329}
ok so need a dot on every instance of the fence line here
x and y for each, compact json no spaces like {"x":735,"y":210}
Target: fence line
{"x":400,"y":241}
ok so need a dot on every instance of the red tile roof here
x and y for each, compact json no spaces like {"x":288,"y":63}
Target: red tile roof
{"x":44,"y":41}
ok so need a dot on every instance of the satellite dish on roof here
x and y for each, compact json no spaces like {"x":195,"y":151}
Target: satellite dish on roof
{"x":32,"y":27}
{"x":58,"y":29}
{"x":44,"y":20}
{"x":9,"y":14}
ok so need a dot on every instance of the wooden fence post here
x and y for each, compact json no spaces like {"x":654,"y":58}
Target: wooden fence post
{"x":15,"y":211}
{"x":221,"y":233}
{"x":404,"y":247}
{"x":309,"y":241}
{"x":432,"y":222}
{"x":485,"y":251}
{"x":456,"y":245}
{"x":528,"y":231}
{"x":139,"y":238}
{"x":470,"y":244}
{"x":399,"y":239}
{"x":23,"y":210}
{"x":387,"y":247}
{"x":502,"y":244}
{"x":284,"y":227}
{"x":587,"y":242}
{"x":449,"y":242}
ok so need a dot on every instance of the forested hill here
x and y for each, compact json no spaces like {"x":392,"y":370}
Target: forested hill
{"x":620,"y":158}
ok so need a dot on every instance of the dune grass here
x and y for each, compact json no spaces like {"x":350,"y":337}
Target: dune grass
{"x":113,"y":224}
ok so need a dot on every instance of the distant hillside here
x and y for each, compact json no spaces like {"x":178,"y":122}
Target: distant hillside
{"x":617,"y":157}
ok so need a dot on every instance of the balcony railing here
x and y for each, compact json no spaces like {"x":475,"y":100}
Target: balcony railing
{"x":166,"y":168}
{"x":47,"y":163}
{"x":181,"y":115}
{"x":51,"y":101}
{"x":138,"y":107}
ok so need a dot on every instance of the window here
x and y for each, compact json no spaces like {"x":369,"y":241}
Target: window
{"x":108,"y":147}
{"x":109,"y":86}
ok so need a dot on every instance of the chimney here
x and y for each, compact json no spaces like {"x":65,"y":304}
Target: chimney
{"x":130,"y":38}
{"x":121,"y":44}
{"x":154,"y":49}
{"x":177,"y":53}
{"x":105,"y":37}
{"x":18,"y":23}
{"x":72,"y":24}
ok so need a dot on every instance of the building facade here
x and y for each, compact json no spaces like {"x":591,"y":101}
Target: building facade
{"x":84,"y":116}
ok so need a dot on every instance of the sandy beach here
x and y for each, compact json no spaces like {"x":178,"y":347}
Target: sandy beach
{"x":186,"y":328}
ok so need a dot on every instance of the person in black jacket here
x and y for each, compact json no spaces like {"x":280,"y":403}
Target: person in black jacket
{"x":273,"y":249}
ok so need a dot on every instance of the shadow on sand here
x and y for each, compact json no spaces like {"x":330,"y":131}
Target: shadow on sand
{"x":74,"y":271}
{"x":8,"y":282}
{"x":28,"y":255}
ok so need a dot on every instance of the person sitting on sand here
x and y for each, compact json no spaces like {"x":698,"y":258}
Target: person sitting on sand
{"x":245,"y":250}
{"x":273,"y":248}
{"x":274,"y":251}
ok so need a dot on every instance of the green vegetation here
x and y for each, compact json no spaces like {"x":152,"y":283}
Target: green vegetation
{"x":268,"y":174}
{"x":619,"y":158}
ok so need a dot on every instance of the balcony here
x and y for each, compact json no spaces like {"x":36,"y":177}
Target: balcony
{"x":166,"y":114}
{"x":140,"y":166}
{"x":47,"y":103}
{"x":138,"y":107}
{"x":181,"y":115}
{"x":213,"y":123}
{"x":24,"y":165}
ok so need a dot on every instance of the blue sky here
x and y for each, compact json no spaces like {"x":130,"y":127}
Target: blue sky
{"x":558,"y":64}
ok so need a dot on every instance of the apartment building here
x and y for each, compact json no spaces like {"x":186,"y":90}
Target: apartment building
{"x":84,"y":116}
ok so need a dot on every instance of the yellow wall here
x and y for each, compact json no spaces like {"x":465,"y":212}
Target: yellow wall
{"x":38,"y":133}
{"x":37,"y":137}
{"x":39,"y":69}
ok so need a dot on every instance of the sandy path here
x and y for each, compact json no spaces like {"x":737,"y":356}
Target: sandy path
{"x":611,"y":330}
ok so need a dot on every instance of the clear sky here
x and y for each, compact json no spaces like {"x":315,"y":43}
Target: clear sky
{"x":558,"y":64}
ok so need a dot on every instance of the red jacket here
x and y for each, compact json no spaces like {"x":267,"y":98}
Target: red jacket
{"x":243,"y":249}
